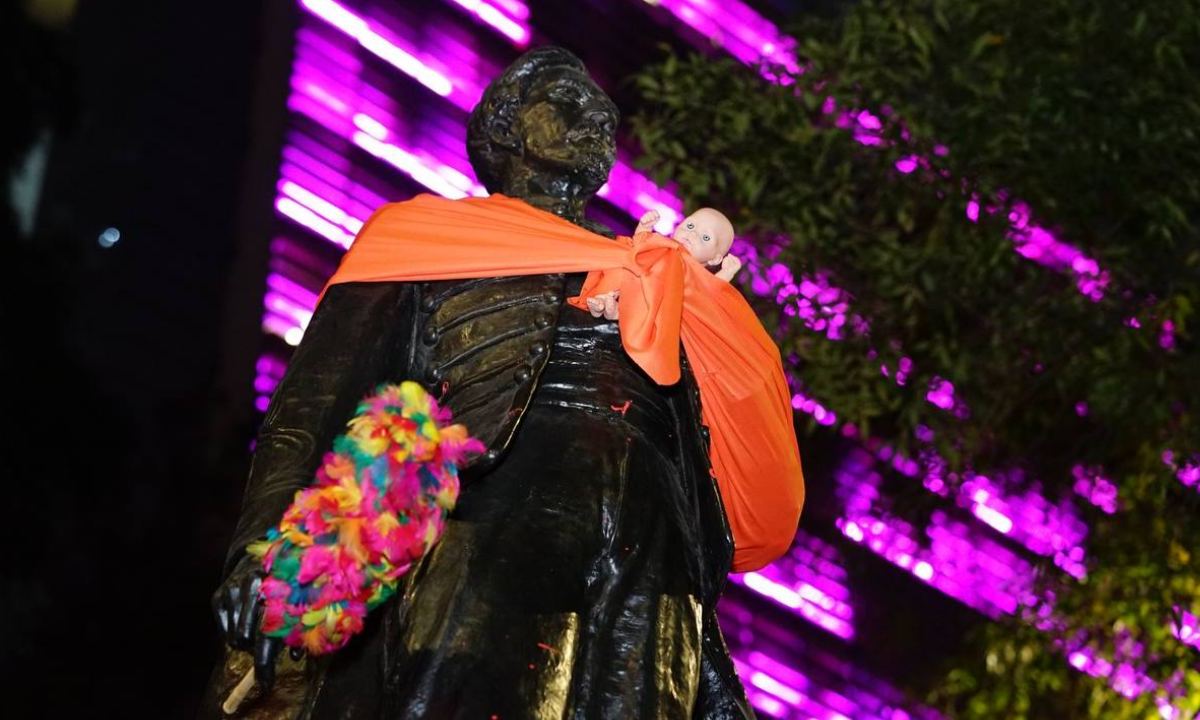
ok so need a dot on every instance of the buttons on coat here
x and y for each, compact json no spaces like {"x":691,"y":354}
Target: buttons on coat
{"x":522,"y":373}
{"x":490,"y":456}
{"x":436,"y":374}
{"x":428,"y":303}
{"x":430,"y":336}
{"x":544,"y":321}
{"x":537,"y":349}
{"x":552,"y":297}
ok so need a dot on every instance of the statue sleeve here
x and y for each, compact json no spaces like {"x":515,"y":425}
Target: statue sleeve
{"x":359,"y":336}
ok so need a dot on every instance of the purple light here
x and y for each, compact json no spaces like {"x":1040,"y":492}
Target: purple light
{"x":1166,"y":335}
{"x":282,"y":327}
{"x":321,"y":206}
{"x":819,"y":412}
{"x":809,"y":582}
{"x":1094,"y":487}
{"x":820,"y":306}
{"x":788,"y":679}
{"x":955,"y":559}
{"x":742,"y":32}
{"x":306,"y":217}
{"x":420,"y":166}
{"x":1050,"y":530}
{"x":941,"y":393}
{"x":1187,"y":471}
{"x":907,"y":165}
{"x":373,"y":39}
{"x":504,"y":17}
{"x":1039,"y":245}
{"x":1187,"y":628}
{"x":627,"y":189}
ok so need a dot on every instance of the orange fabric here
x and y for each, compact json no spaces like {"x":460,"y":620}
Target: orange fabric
{"x":666,"y":298}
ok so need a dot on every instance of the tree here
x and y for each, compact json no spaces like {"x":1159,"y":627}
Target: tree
{"x":1060,"y":127}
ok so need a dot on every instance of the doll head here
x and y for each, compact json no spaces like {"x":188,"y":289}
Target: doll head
{"x":707,"y":234}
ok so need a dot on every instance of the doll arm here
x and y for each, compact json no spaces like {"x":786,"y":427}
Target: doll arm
{"x":647,"y":222}
{"x":729,"y":268}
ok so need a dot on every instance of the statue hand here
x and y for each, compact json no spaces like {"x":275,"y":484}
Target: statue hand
{"x":238,"y":607}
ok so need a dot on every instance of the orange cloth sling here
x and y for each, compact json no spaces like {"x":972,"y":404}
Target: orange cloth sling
{"x":666,"y":298}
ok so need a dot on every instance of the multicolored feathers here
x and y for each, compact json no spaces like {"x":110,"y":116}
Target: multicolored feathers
{"x":379,"y":503}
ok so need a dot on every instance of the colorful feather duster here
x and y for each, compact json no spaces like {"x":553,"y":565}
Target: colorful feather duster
{"x":379,"y":503}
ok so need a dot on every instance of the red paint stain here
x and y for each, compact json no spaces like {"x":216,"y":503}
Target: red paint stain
{"x":623,"y":408}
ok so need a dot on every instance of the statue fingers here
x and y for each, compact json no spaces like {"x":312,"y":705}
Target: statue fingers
{"x":266,"y":649}
{"x":222,"y":606}
{"x":250,"y":610}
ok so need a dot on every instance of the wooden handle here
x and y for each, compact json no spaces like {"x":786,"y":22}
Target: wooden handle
{"x":239,"y":692}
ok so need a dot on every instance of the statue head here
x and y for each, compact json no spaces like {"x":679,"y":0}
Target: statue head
{"x":543,"y":128}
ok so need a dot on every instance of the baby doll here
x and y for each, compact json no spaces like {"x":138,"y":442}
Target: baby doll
{"x":707,"y":235}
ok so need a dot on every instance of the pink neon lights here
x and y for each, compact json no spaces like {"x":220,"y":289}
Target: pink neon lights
{"x":380,"y":42}
{"x":1187,"y":470}
{"x":810,"y":582}
{"x":745,"y":34}
{"x":507,"y":17}
{"x":821,"y":685}
{"x":627,"y":188}
{"x":1093,"y":486}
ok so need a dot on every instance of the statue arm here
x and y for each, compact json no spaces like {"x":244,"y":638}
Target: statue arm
{"x":358,"y":338}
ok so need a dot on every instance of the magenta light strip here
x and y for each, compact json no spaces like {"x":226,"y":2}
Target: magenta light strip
{"x":744,"y":33}
{"x":269,"y":371}
{"x":816,"y":685}
{"x":306,"y":217}
{"x":809,"y":582}
{"x":959,"y":562}
{"x":369,"y":134}
{"x":969,"y":568}
{"x":344,"y":111}
{"x":373,"y":39}
{"x":627,"y":188}
{"x":1027,"y":517}
{"x":506,"y":18}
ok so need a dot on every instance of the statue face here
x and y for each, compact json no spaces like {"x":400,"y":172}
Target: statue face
{"x":568,"y":128}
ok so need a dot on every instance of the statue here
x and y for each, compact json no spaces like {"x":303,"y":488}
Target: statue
{"x":579,"y":573}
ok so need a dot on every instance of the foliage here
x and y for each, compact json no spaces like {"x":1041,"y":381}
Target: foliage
{"x":1090,"y":114}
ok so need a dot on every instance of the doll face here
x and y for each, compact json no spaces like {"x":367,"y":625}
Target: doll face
{"x":707,"y":234}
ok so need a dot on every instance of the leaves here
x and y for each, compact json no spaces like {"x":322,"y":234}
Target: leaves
{"x":1087,"y":113}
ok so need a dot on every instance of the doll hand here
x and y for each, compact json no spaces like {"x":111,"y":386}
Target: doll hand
{"x":605,"y":305}
{"x":238,"y":607}
{"x":647,"y":222}
{"x":729,"y":267}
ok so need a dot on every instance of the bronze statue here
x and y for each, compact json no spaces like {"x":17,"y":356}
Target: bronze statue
{"x":579,"y":573}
